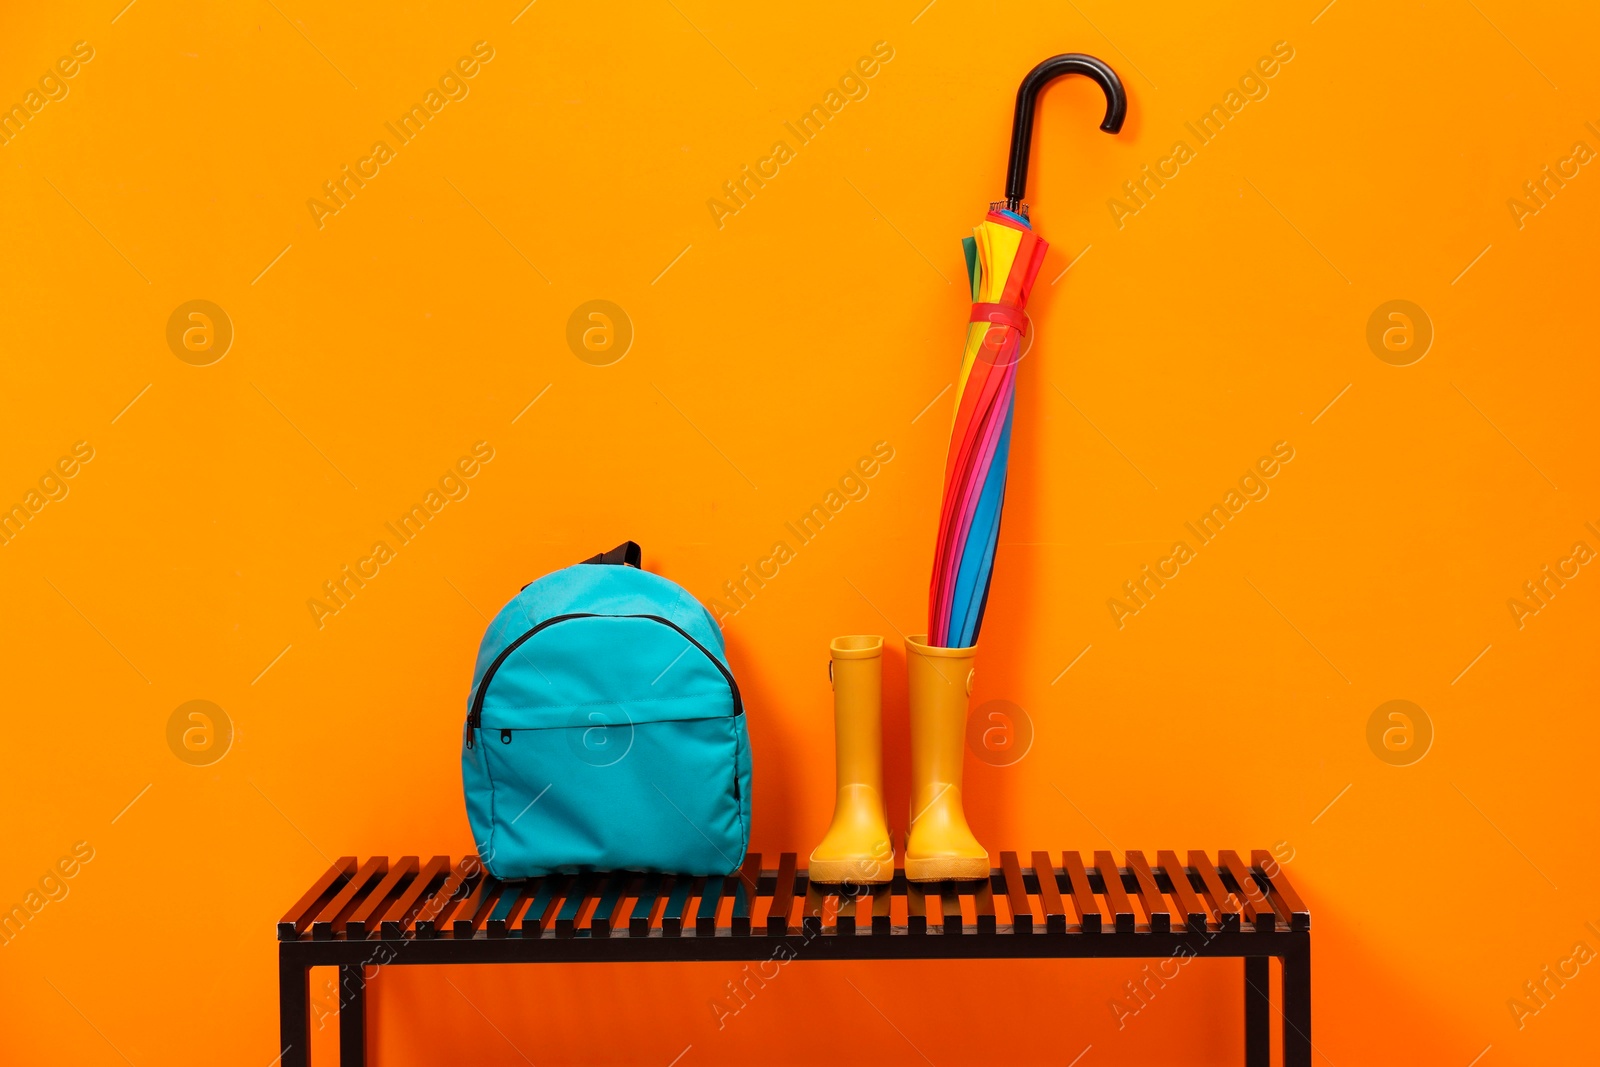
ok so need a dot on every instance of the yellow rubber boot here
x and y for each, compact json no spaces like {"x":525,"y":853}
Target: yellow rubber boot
{"x":856,"y":847}
{"x":940,"y":845}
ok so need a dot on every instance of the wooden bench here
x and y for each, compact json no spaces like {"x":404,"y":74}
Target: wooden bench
{"x":377,"y":913}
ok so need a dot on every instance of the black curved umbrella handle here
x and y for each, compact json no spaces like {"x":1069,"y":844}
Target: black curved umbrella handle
{"x":1027,"y":96}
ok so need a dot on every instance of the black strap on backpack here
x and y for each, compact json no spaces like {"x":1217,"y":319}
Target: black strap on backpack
{"x":626,"y":554}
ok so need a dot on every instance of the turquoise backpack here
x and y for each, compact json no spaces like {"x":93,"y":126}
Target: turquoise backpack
{"x":605,"y":730}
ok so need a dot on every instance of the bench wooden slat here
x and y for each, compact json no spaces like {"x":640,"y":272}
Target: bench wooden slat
{"x":472,"y":914}
{"x":844,"y":920}
{"x":616,"y":920}
{"x":1017,"y":894}
{"x":612,"y":888}
{"x":1150,"y":896}
{"x":505,"y":906}
{"x":1182,"y":891}
{"x":950,"y":897}
{"x":435,"y":915}
{"x":1223,"y":903}
{"x":933,"y":905}
{"x":436,"y":912}
{"x":644,"y":905}
{"x":608,"y":894}
{"x":577,"y":897}
{"x":782,"y":897}
{"x":466,"y":918}
{"x":745,"y":893}
{"x":983,"y":899}
{"x":370,"y":911}
{"x":1116,"y":894}
{"x":678,"y":904}
{"x":589,"y":909}
{"x":812,"y":914}
{"x":564,"y":884}
{"x":1236,"y":878}
{"x":536,"y":920}
{"x":882,"y":903}
{"x":705,"y":923}
{"x":401,"y":914}
{"x":1295,"y":911}
{"x":609,"y":910}
{"x":837,"y":900}
{"x":297,"y":917}
{"x":1090,"y":921}
{"x":1282,"y":910}
{"x":916,"y":908}
{"x":322,"y":927}
{"x":850,"y":905}
{"x":1055,"y":912}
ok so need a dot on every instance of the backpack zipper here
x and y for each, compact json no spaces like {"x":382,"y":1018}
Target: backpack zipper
{"x":475,"y":716}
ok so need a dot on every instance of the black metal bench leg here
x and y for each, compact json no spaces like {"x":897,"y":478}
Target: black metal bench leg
{"x":294,"y":1011}
{"x":1257,"y":1011}
{"x":352,"y":1015}
{"x":1297,"y":1007}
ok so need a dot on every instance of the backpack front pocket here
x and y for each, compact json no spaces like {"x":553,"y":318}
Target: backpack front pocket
{"x":662,"y":795}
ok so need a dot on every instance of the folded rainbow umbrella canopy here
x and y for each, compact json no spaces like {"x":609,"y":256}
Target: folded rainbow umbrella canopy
{"x":1003,"y":259}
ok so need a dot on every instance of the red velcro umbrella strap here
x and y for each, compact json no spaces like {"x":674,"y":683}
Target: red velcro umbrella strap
{"x":1002,"y":314}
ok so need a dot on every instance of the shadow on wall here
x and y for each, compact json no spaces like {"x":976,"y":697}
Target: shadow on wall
{"x":782,"y":726}
{"x":774,"y":742}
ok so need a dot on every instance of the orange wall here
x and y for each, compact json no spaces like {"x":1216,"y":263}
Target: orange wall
{"x":374,"y":346}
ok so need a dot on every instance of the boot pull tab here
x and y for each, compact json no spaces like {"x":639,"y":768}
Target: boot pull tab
{"x":970,"y":675}
{"x":830,"y":673}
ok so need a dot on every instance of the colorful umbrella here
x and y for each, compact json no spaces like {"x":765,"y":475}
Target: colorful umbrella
{"x":1003,"y":258}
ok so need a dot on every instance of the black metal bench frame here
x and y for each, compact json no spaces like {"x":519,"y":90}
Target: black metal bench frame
{"x":376,"y":914}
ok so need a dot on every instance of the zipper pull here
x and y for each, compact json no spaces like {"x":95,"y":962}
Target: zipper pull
{"x":505,"y":737}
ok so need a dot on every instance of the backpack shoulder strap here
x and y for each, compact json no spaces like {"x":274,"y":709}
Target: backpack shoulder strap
{"x":626,"y":554}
